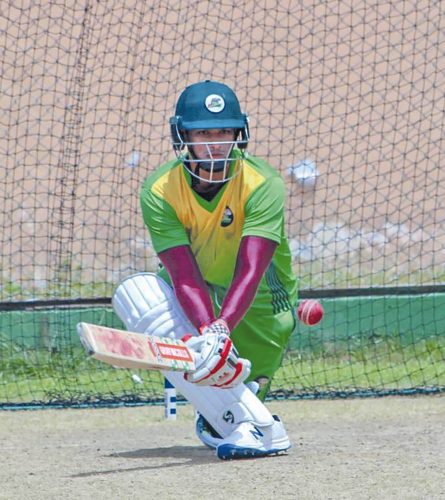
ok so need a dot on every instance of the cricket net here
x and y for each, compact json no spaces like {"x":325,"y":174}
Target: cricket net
{"x":345,"y":99}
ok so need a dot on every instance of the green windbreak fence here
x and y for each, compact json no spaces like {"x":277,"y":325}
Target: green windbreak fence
{"x":364,"y":346}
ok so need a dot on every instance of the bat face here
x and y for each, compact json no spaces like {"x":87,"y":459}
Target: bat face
{"x":124,"y":349}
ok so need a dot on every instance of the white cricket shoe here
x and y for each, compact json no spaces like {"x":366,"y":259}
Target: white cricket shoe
{"x":206,"y":433}
{"x":249,"y":441}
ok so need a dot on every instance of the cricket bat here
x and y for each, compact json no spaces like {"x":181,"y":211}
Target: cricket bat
{"x":124,"y":349}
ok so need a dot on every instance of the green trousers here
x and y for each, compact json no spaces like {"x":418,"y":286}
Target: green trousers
{"x":261,"y":337}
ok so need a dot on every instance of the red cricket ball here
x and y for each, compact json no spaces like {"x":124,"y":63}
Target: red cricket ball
{"x":310,"y":312}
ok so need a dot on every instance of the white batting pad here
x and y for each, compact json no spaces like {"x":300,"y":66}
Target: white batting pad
{"x":147,"y":304}
{"x":224,"y":409}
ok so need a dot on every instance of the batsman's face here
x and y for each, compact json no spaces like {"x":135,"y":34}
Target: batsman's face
{"x":212,"y":144}
{"x":213,"y":147}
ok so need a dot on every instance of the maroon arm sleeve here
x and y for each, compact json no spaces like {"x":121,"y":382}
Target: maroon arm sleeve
{"x":254,"y":256}
{"x":189,"y":285}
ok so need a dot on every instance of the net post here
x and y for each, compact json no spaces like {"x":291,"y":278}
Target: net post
{"x":169,"y":400}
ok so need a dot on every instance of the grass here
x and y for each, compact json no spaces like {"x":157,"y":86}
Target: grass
{"x":38,"y":375}
{"x":387,"y":365}
{"x":70,"y":283}
{"x":319,"y":274}
{"x":42,"y":376}
{"x":12,"y":291}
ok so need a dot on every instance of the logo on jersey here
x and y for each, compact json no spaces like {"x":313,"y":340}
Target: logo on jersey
{"x":227,"y":217}
{"x":214,"y":103}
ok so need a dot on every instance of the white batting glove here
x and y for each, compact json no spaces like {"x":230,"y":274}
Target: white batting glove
{"x":218,"y":361}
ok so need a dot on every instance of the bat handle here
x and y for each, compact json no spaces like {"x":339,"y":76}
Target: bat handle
{"x":170,"y":400}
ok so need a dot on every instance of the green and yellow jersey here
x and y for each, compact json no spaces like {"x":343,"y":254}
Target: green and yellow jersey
{"x":250,"y":204}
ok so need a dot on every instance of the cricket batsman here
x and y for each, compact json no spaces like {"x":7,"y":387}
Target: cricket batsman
{"x":215,"y":215}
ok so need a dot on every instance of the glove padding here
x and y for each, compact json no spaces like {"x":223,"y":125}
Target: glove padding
{"x":218,"y":361}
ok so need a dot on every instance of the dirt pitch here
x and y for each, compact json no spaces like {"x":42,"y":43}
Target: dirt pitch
{"x":389,"y":448}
